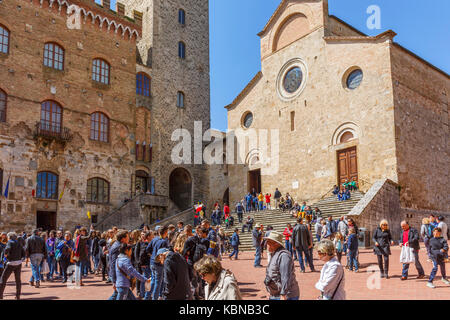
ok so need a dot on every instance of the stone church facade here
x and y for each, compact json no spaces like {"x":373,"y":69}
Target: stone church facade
{"x":87,"y":113}
{"x":345,"y":106}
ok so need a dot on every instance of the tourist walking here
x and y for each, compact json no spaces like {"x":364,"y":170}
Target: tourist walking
{"x":331,"y":283}
{"x":36,"y":250}
{"x":156,"y":267}
{"x":235,"y":244}
{"x":65,"y":247}
{"x":240,"y":211}
{"x":302,"y":243}
{"x":382,"y":240}
{"x":176,"y":284}
{"x":126,"y":274}
{"x":439,"y":249}
{"x":280,"y":280}
{"x":257,"y":239}
{"x":287,"y":233}
{"x":13,"y":255}
{"x":410,"y":238}
{"x":220,"y":283}
{"x":352,"y":244}
{"x":426,"y":233}
{"x":122,"y":237}
{"x":277,"y":197}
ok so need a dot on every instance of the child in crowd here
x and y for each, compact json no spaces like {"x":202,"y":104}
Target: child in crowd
{"x":352,"y":243}
{"x":339,"y":245}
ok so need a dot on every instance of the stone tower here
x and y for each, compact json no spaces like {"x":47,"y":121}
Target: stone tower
{"x":158,"y":56}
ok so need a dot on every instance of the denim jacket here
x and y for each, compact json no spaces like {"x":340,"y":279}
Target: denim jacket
{"x":123,"y":265}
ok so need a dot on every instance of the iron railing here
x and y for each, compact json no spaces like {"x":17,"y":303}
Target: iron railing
{"x":49,"y":130}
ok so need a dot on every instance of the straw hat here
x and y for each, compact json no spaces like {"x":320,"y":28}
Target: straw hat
{"x":275,"y":236}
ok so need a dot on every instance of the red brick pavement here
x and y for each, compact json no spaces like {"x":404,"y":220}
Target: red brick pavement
{"x":251,"y":282}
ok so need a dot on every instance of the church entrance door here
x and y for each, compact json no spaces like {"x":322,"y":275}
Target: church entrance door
{"x":347,"y":165}
{"x":254,"y":180}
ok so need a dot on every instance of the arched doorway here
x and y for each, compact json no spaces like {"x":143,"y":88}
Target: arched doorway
{"x":142,"y":181}
{"x":226,"y":197}
{"x":180,"y":188}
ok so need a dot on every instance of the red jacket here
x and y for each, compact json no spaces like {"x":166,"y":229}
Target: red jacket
{"x":288,"y":233}
{"x":226,"y":209}
{"x":268,"y":198}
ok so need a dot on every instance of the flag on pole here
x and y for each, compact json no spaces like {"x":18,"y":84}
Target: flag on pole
{"x":62,"y":192}
{"x":7,"y":187}
{"x":89,"y":215}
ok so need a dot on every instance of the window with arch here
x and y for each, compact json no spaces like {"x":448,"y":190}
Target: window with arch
{"x":181,"y":50}
{"x":99,"y":127}
{"x":180,"y":99}
{"x":100,"y":71}
{"x":4,"y":39}
{"x":2,"y":106}
{"x":182,"y":17}
{"x":143,"y":84}
{"x":346,"y":136}
{"x":47,"y":186}
{"x":53,"y":56}
{"x":97,"y":191}
{"x":51,"y":117}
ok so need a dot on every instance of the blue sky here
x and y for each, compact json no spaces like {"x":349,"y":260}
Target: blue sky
{"x":422,"y":27}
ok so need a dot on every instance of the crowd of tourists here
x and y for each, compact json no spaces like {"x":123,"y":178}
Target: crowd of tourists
{"x":183,"y":262}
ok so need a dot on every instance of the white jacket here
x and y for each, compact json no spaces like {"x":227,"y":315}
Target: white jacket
{"x":330,"y":278}
{"x":226,"y":288}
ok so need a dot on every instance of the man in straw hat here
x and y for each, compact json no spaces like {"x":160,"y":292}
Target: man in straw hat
{"x":280,"y":278}
{"x":257,"y":240}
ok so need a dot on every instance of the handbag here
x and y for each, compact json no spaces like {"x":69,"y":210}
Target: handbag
{"x":45,"y":269}
{"x":407,"y":255}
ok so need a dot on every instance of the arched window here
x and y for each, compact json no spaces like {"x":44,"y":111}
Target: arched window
{"x":2,"y":106}
{"x":100,"y":71}
{"x":99,"y":127}
{"x":51,"y":117}
{"x":97,"y":191}
{"x":347,"y":136}
{"x":53,"y":56}
{"x":47,"y":186}
{"x":182,"y":17}
{"x":143,"y":84}
{"x":4,"y":40}
{"x":180,"y":99}
{"x":181,"y":50}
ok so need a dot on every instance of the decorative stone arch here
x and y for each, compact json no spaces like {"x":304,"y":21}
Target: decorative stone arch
{"x":344,"y":131}
{"x":104,"y":176}
{"x":292,"y":28}
{"x":180,"y":188}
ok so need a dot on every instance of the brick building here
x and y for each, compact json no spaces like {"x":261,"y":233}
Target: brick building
{"x":345,"y":106}
{"x":86,"y":116}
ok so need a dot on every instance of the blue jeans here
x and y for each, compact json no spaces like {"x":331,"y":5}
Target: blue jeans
{"x":288,"y":246}
{"x":417,"y":263}
{"x":435,"y":269}
{"x":258,"y":256}
{"x":146,"y":271}
{"x":426,"y":242}
{"x":125,"y":293}
{"x":261,"y":205}
{"x":51,"y":266}
{"x":35,"y":261}
{"x":157,"y":281}
{"x":352,"y":259}
{"x":235,"y":251}
{"x":308,"y":259}
{"x":279,"y":298}
{"x":96,"y":261}
{"x":114,"y":295}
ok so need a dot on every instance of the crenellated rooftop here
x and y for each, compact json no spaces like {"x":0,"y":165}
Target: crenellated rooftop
{"x":100,"y":15}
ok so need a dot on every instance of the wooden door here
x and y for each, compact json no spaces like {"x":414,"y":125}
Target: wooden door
{"x":254,"y":180}
{"x":347,"y":165}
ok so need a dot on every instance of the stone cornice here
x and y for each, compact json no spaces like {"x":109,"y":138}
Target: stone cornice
{"x":245,"y":90}
{"x":382,"y":36}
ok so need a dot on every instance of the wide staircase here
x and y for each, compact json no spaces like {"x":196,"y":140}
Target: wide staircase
{"x":329,"y":206}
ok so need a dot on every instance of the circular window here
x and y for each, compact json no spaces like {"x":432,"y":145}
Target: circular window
{"x":248,"y":120}
{"x":292,"y":79}
{"x":354,"y":79}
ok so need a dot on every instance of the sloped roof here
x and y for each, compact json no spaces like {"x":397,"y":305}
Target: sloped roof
{"x":246,"y":89}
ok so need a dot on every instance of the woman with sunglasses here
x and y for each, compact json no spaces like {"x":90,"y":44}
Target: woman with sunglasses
{"x":331,"y":283}
{"x":382,"y":240}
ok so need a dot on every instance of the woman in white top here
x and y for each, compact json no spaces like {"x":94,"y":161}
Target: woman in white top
{"x":332,"y":280}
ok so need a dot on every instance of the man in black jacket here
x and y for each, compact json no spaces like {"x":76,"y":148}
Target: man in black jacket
{"x":302,"y":242}
{"x":13,"y":253}
{"x":36,"y":250}
{"x":438,"y":248}
{"x":410,"y":238}
{"x":176,"y":275}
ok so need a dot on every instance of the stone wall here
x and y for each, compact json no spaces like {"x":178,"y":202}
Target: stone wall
{"x":421,"y":98}
{"x":28,"y":83}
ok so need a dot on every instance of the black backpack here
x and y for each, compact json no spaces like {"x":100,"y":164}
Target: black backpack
{"x":200,"y":251}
